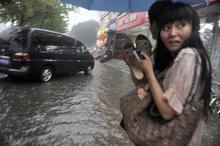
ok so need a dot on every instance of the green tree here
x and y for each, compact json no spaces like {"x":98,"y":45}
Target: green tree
{"x":86,"y":32}
{"x":48,"y":14}
{"x":3,"y":2}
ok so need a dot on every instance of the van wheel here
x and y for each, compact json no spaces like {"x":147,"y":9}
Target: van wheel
{"x":88,"y":70}
{"x":46,"y":74}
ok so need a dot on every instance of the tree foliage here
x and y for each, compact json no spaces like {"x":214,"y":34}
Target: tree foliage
{"x":86,"y":32}
{"x":4,"y":2}
{"x":48,"y":14}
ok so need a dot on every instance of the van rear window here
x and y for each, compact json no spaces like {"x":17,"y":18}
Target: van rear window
{"x":13,"y":35}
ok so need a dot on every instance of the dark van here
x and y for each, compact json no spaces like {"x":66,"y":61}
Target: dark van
{"x":39,"y":53}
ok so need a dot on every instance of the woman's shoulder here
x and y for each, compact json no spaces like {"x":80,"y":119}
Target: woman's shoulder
{"x":190,"y":52}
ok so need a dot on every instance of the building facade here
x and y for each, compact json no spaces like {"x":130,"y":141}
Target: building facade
{"x":133,"y":24}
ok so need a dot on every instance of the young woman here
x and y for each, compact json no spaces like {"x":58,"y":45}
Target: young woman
{"x":181,"y":55}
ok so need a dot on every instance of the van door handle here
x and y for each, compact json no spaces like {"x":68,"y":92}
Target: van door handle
{"x":78,"y":60}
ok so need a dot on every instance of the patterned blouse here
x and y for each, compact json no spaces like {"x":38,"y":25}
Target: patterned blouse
{"x":178,"y":83}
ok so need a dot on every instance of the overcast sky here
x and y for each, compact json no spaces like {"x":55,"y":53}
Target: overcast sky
{"x":82,"y":15}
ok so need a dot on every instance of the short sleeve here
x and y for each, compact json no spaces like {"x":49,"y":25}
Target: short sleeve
{"x":178,"y":80}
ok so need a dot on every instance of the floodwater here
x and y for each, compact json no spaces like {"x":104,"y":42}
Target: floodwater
{"x":72,"y":110}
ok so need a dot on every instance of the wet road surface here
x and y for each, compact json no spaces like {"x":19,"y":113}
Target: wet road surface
{"x":72,"y":110}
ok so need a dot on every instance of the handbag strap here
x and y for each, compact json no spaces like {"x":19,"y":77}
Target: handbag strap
{"x":188,"y":120}
{"x":159,"y":76}
{"x":191,"y":94}
{"x":162,"y":74}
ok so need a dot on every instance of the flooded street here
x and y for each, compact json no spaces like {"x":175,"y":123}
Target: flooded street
{"x":73,"y":110}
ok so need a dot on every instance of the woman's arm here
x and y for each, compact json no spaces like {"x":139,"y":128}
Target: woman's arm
{"x":166,"y":111}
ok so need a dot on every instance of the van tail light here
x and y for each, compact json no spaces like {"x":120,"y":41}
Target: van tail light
{"x":22,"y":57}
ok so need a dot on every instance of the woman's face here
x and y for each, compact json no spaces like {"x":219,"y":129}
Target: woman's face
{"x":174,"y":34}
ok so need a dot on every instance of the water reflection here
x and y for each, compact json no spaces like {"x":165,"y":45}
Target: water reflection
{"x":75,"y":110}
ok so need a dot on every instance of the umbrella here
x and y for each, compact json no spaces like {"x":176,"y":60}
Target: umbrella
{"x":121,"y":5}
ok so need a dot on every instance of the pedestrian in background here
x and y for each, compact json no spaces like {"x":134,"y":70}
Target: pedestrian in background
{"x":155,"y":12}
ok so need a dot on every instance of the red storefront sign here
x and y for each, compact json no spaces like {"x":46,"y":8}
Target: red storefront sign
{"x":103,"y":14}
{"x":130,"y":20}
{"x":133,"y":19}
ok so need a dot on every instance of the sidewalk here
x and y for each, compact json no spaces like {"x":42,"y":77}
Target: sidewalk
{"x":121,"y":66}
{"x":118,"y":65}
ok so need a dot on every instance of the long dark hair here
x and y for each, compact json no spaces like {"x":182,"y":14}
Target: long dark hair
{"x":184,"y":12}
